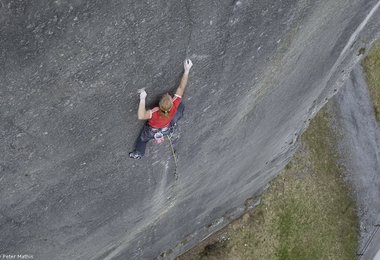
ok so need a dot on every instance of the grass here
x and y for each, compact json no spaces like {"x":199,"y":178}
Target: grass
{"x":307,"y":212}
{"x":371,"y":65}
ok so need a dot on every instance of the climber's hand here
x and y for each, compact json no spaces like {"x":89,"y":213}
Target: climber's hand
{"x":142,"y":93}
{"x":187,"y":64}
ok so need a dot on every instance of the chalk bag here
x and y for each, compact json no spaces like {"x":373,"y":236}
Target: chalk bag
{"x":158,"y":138}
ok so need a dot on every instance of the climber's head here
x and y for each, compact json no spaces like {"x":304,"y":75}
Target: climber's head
{"x":166,"y":103}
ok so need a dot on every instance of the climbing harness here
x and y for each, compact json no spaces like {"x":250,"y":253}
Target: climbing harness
{"x":159,"y":134}
{"x":159,"y":138}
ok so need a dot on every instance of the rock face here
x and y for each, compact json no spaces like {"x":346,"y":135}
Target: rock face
{"x":360,"y":147}
{"x":69,"y":74}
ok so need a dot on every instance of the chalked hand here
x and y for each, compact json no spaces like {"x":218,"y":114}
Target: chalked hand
{"x":187,"y":64}
{"x":142,"y":93}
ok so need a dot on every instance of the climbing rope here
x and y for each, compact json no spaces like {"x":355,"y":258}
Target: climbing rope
{"x":174,"y":156}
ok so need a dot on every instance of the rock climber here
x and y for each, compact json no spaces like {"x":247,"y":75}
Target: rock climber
{"x":161,"y":119}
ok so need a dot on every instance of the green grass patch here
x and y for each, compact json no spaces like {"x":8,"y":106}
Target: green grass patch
{"x":371,"y":66}
{"x":307,"y":213}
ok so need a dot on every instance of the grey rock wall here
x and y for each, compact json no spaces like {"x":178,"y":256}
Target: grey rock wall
{"x":360,"y":149}
{"x":68,"y":79}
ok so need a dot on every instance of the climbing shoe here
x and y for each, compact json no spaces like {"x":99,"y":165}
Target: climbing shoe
{"x":135,"y":155}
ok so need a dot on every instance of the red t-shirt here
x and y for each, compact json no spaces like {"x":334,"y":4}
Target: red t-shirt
{"x":158,"y":121}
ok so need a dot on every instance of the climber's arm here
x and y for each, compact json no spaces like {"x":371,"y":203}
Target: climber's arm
{"x":182,"y":86}
{"x":142,"y":113}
